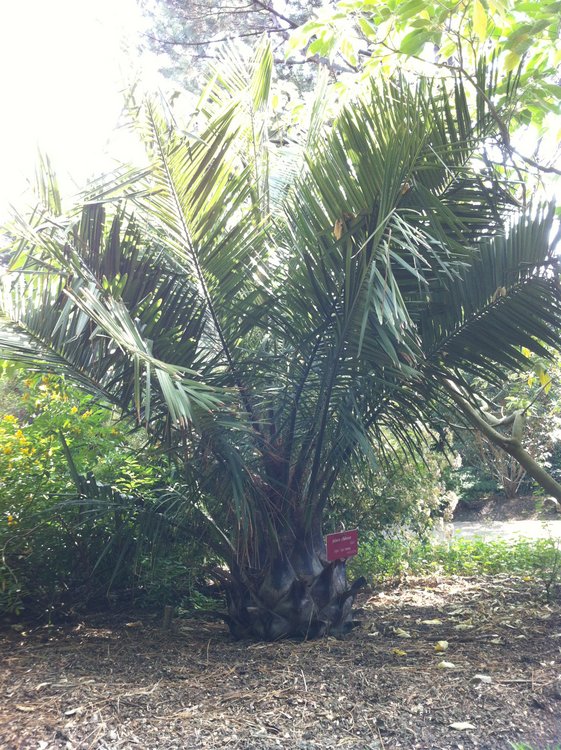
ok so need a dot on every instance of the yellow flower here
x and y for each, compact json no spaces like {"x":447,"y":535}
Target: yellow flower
{"x":7,"y":450}
{"x":11,"y":520}
{"x":87,"y":414}
{"x":10,"y":419}
{"x":74,"y":410}
{"x":19,"y":435}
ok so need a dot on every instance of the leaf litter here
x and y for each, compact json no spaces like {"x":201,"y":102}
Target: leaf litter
{"x":101,"y":684}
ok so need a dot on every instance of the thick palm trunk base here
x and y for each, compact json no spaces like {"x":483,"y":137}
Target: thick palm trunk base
{"x":298,"y":596}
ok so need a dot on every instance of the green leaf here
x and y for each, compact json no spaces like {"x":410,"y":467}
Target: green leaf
{"x":348,"y":52}
{"x":323,"y":45}
{"x":368,"y":28}
{"x":414,"y":42}
{"x":300,"y":37}
{"x":479,"y":18}
{"x":511,"y":61}
{"x":411,"y":8}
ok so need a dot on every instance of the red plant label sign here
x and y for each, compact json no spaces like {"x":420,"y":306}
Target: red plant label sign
{"x":341,"y":545}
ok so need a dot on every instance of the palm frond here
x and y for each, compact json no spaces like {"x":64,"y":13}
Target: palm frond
{"x":507,"y":298}
{"x":116,"y":318}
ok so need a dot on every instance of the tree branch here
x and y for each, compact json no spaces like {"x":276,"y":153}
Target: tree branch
{"x":503,"y":129}
{"x":178,"y":43}
{"x":511,"y":445}
{"x":273,"y":12}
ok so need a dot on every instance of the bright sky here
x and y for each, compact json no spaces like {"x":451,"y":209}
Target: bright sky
{"x":63,"y":64}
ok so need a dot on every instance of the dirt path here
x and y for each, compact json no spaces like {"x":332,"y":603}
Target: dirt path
{"x":105,"y":684}
{"x":509,"y":530}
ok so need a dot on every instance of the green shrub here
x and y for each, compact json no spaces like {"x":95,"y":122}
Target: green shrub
{"x":88,"y":516}
{"x":410,"y":494}
{"x":174,"y":573}
{"x":383,"y":558}
{"x":59,"y":545}
{"x":471,"y":484}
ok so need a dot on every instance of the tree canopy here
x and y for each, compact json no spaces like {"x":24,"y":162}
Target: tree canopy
{"x":440,"y":39}
{"x":356,"y":39}
{"x":278,"y":313}
{"x":190,"y":34}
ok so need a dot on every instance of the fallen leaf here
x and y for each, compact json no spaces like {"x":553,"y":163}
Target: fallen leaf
{"x":399,"y":652}
{"x":461,"y":725}
{"x":440,"y":646}
{"x":432,"y":622}
{"x":445,"y":665}
{"x":401,"y":633}
{"x":25,"y":709}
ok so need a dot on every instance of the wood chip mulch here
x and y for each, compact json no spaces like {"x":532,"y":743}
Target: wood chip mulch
{"x":105,"y":683}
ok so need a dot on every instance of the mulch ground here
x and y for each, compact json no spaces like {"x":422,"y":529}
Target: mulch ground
{"x":105,"y":683}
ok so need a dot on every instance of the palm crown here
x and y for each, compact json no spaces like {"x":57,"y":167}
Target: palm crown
{"x":276,"y":312}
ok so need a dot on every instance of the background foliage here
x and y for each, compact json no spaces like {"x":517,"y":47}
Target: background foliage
{"x":354,"y":39}
{"x":87,"y":523}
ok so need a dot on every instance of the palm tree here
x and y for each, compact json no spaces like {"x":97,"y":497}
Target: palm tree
{"x":277,"y":313}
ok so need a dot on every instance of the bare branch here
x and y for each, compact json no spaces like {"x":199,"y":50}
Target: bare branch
{"x":181,"y":43}
{"x":292,"y":24}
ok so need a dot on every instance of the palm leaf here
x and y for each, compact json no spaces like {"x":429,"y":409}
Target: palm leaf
{"x":506,"y":299}
{"x":108,"y":322}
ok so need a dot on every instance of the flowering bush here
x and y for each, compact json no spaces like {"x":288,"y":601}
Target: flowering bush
{"x":54,"y":542}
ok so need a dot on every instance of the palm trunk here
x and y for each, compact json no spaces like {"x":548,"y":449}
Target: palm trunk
{"x":298,"y":593}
